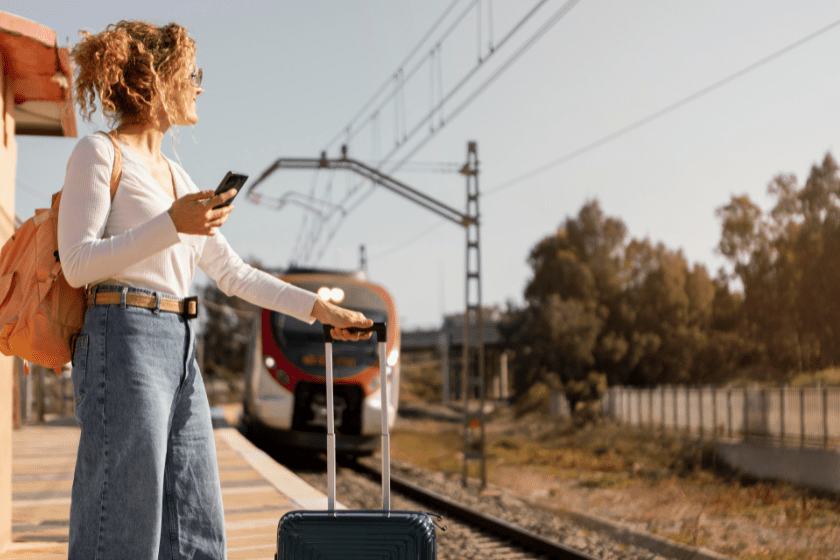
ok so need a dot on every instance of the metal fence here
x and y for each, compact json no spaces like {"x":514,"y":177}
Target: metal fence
{"x":41,"y":393}
{"x":802,"y":416}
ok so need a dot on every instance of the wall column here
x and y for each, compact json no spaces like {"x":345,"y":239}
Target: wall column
{"x":8,"y":157}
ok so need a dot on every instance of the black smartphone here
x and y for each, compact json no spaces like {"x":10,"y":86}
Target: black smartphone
{"x":232,"y":180}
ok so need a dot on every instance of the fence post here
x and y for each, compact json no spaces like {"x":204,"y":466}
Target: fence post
{"x":674,"y":400}
{"x":641,"y":417}
{"x":625,"y":399}
{"x":764,"y":425}
{"x":662,"y":403}
{"x":700,"y":410}
{"x":40,"y":409}
{"x":621,"y":404}
{"x":825,"y":416}
{"x":729,"y":412}
{"x":688,"y":410}
{"x":650,"y":403}
{"x":782,"y":391}
{"x":746,"y":415}
{"x":714,"y":414}
{"x":802,"y":417}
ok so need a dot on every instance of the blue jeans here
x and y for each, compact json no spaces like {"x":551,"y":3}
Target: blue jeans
{"x":146,"y":484}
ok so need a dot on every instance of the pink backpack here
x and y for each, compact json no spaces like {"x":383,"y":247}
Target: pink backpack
{"x":40,"y":313}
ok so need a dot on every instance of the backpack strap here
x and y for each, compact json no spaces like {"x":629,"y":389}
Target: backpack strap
{"x":116,"y":174}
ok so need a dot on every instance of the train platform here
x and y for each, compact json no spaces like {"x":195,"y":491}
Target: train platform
{"x":256,"y":491}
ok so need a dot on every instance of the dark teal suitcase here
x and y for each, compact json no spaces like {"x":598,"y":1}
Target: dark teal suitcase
{"x":357,"y":534}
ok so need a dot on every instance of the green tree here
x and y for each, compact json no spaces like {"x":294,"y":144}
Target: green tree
{"x":785,"y":262}
{"x":630,"y":309}
{"x":575,"y":277}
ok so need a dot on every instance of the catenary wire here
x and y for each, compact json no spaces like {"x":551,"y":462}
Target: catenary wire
{"x":388,"y":81}
{"x":553,"y":19}
{"x":406,"y":243}
{"x":638,"y":124}
{"x":522,"y":50}
{"x":466,"y":78}
{"x":32,"y":189}
{"x":660,"y":113}
{"x":404,"y":77}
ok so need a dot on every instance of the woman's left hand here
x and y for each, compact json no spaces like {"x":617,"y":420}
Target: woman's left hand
{"x":195,"y":213}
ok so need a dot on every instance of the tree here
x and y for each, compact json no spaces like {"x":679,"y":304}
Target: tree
{"x":630,"y":309}
{"x":785,"y":262}
{"x":575,"y":272}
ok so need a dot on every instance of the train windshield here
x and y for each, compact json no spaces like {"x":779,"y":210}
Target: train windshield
{"x":303,"y":344}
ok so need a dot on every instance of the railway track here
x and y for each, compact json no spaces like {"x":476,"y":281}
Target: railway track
{"x":492,"y":525}
{"x":503,"y":539}
{"x":478,"y":528}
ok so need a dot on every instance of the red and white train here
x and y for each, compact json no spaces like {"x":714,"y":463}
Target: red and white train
{"x":284,"y":393}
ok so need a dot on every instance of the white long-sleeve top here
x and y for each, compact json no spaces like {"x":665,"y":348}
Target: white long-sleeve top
{"x":131,"y":241}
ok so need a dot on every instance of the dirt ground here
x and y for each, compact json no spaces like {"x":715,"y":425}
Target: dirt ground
{"x":653,"y":483}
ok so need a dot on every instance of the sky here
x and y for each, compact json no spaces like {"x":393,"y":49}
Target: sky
{"x":655,"y":108}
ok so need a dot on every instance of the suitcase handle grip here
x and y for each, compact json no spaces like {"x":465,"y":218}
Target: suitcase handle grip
{"x":381,"y":330}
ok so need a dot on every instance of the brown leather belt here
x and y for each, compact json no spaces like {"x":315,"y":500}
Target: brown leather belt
{"x":187,"y":307}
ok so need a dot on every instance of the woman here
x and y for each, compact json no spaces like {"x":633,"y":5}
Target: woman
{"x":146,"y":483}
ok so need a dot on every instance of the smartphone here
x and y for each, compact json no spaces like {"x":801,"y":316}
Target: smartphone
{"x":232,"y":180}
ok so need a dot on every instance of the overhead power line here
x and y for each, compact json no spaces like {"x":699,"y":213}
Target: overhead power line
{"x":504,"y":66}
{"x":662,"y":112}
{"x":388,"y":82}
{"x":33,"y":190}
{"x":557,"y":16}
{"x":406,"y":243}
{"x":550,"y":22}
{"x":319,"y":230}
{"x":626,"y":130}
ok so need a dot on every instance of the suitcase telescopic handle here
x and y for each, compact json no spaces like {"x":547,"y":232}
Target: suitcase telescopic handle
{"x":380,"y":329}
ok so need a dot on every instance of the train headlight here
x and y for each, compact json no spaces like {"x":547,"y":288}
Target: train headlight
{"x":393,"y":357}
{"x":269,"y":362}
{"x":331,"y":294}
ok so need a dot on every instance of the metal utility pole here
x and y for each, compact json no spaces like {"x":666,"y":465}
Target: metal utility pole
{"x":363,"y":258}
{"x":472,"y":370}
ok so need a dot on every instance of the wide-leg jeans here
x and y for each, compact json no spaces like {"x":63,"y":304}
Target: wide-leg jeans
{"x":146,"y":484}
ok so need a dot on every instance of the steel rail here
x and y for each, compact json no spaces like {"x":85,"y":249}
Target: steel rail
{"x":498,"y":527}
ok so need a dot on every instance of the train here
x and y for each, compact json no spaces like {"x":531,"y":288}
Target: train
{"x":285,"y":397}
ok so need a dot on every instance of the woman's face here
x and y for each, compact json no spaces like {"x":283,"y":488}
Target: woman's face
{"x":185,"y":93}
{"x":193,"y":91}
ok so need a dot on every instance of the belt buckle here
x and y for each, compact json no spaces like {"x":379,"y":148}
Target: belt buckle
{"x":187,"y":301}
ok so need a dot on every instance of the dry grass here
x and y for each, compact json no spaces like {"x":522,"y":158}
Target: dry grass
{"x":653,"y":481}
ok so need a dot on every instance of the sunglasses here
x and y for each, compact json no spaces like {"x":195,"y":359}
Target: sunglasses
{"x":195,"y":77}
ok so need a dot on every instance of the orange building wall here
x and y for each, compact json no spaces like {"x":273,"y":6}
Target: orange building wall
{"x":8,"y":157}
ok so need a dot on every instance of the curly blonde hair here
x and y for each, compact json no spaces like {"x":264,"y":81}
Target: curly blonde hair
{"x":132,"y":66}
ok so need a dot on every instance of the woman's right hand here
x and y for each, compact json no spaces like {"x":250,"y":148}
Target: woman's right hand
{"x":341,"y":319}
{"x":194,"y":214}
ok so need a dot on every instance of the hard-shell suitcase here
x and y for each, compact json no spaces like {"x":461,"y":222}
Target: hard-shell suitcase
{"x":357,"y":534}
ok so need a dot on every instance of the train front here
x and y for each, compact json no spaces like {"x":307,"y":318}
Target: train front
{"x":286,"y":392}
